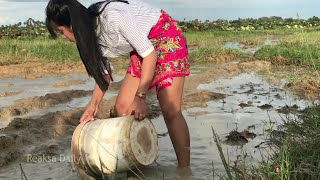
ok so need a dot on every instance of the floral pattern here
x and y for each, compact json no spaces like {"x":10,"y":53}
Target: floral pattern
{"x":170,"y":45}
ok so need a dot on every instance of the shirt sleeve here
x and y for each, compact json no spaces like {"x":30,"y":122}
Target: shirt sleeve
{"x":130,"y":30}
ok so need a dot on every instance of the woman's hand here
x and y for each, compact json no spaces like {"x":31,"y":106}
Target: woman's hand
{"x":89,"y":113}
{"x":138,"y":108}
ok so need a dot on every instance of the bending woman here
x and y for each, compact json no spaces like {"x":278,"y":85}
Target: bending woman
{"x":158,"y":53}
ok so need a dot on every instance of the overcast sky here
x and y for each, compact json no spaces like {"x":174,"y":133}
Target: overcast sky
{"x":13,"y":11}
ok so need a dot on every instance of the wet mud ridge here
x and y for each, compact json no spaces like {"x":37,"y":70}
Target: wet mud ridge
{"x":24,"y":106}
{"x":46,"y":135}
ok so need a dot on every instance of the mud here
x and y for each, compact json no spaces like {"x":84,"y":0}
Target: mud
{"x":236,"y":138}
{"x":221,"y":59}
{"x":6,"y":94}
{"x":294,"y":109}
{"x":220,"y":97}
{"x":199,"y":99}
{"x":308,"y":88}
{"x":46,"y":136}
{"x":244,"y":105}
{"x":34,"y":70}
{"x":69,"y":83}
{"x":8,"y":85}
{"x":24,"y":106}
{"x":265,"y":106}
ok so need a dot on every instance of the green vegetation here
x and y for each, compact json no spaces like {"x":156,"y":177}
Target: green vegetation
{"x":32,"y":28}
{"x":249,"y":24}
{"x":29,"y":30}
{"x":15,"y":51}
{"x":300,"y":48}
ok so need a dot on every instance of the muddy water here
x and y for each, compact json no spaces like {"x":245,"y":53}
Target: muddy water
{"x":244,"y":101}
{"x":225,"y":115}
{"x":34,"y":98}
{"x":249,"y":49}
{"x":43,"y":86}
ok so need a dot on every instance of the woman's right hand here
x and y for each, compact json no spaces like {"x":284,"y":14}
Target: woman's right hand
{"x":89,"y":113}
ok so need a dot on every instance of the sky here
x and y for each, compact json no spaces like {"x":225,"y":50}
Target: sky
{"x":14,"y":11}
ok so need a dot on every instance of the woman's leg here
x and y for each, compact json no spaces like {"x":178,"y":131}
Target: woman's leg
{"x":170,"y":99}
{"x":126,"y":94}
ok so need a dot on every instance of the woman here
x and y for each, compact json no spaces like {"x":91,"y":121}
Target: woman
{"x":159,"y":58}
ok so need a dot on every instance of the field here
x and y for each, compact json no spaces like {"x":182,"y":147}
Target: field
{"x":254,"y":83}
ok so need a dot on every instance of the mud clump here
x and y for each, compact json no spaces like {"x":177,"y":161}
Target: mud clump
{"x":199,"y":99}
{"x":250,"y":44}
{"x":288,"y":109}
{"x":221,"y":59}
{"x":239,"y":138}
{"x":308,"y":87}
{"x":281,"y":61}
{"x":70,"y":83}
{"x":6,"y":94}
{"x":244,"y":105}
{"x":23,"y":106}
{"x":265,"y":106}
{"x":254,"y":65}
{"x":5,"y":142}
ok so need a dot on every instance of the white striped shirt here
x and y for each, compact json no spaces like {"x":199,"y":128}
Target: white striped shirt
{"x":123,"y":28}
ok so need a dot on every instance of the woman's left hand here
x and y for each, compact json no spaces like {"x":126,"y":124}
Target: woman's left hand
{"x":138,"y":108}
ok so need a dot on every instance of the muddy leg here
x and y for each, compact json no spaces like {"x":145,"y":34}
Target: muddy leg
{"x":170,"y":101}
{"x":126,"y":94}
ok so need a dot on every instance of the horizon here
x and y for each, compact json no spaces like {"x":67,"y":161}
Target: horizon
{"x":202,"y":10}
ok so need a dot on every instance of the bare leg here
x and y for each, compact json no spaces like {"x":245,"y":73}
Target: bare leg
{"x":127,"y":93}
{"x":170,"y":99}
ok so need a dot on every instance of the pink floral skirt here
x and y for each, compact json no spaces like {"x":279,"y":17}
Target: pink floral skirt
{"x":167,"y":39}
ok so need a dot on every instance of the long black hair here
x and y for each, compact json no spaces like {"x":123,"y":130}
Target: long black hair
{"x":71,"y":13}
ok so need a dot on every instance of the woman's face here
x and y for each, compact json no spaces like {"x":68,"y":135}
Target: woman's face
{"x":67,"y":33}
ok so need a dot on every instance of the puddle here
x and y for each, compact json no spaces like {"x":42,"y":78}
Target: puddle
{"x":239,"y":107}
{"x":225,"y":115}
{"x":43,"y":86}
{"x":249,"y":49}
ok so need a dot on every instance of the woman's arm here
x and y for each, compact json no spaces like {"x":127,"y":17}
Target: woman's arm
{"x":147,"y":71}
{"x":93,"y":106}
{"x":139,"y":105}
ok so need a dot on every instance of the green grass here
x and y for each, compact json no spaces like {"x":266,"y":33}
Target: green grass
{"x":18,"y":51}
{"x":208,"y":44}
{"x":300,"y":48}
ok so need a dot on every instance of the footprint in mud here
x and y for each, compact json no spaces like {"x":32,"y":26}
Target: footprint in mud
{"x":236,"y":138}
